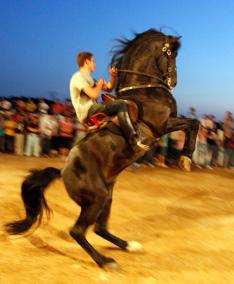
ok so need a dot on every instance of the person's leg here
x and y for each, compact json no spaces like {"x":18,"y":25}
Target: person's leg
{"x":28,"y":145}
{"x":37,"y":146}
{"x":120,"y":108}
{"x":47,"y":147}
{"x":231,"y":158}
{"x":2,"y":148}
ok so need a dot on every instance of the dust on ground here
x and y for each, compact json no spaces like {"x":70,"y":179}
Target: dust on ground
{"x":185,"y":222}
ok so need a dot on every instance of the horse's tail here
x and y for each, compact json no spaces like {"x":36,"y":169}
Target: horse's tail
{"x":32,"y":193}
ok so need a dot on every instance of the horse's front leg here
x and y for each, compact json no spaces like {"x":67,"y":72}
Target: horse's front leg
{"x":102,"y":230}
{"x":190,"y":127}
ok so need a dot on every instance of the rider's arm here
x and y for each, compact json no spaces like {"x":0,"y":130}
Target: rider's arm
{"x":93,"y":92}
{"x":111,"y":84}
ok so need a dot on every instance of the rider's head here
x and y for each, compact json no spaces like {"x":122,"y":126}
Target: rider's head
{"x":86,"y":59}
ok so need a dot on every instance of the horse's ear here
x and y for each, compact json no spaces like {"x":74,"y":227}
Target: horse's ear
{"x":176,"y":42}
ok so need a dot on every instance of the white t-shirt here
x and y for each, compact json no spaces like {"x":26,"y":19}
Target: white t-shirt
{"x":80,"y":100}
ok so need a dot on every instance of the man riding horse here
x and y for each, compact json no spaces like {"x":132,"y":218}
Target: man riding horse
{"x":147,"y":66}
{"x":84,"y":92}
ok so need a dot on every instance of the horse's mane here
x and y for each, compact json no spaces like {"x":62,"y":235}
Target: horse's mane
{"x":125,"y":44}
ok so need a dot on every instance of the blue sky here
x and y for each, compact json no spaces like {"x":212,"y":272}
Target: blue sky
{"x":39,"y":41}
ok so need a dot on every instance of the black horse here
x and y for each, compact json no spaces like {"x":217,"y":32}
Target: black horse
{"x":147,"y":73}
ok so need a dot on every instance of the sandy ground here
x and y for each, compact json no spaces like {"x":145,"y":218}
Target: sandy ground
{"x":185,"y":221}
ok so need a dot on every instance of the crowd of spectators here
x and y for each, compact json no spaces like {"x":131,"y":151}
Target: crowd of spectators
{"x":214,"y":145}
{"x":37,"y":127}
{"x":40,"y":127}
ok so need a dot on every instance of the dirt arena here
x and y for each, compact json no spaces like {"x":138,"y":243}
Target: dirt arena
{"x":185,"y":222}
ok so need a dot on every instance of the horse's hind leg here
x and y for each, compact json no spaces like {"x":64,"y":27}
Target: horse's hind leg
{"x":102,"y":230}
{"x":88,"y":216}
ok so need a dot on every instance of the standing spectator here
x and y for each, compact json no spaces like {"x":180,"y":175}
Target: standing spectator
{"x":68,"y":109}
{"x":2,"y":123}
{"x":31,"y":106}
{"x":207,"y":122}
{"x":19,"y":136}
{"x":172,"y":145}
{"x":148,"y":159}
{"x":201,"y":149}
{"x":220,"y":143}
{"x":10,"y":127}
{"x":1,"y":100}
{"x":55,"y":135}
{"x":66,"y":134}
{"x":46,"y":128}
{"x":229,"y":150}
{"x":192,"y":113}
{"x":162,"y":151}
{"x":80,"y":131}
{"x":180,"y":143}
{"x":43,"y":107}
{"x":6,"y":105}
{"x":57,"y":107}
{"x":20,"y":106}
{"x":212,"y":143}
{"x":32,"y":138}
{"x":228,"y":121}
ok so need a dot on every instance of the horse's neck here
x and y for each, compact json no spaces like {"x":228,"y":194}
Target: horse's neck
{"x":141,"y":65}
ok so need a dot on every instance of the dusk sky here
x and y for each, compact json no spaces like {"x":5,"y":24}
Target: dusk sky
{"x":39,"y":41}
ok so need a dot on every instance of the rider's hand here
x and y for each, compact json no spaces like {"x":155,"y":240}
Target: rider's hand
{"x":101,"y":83}
{"x":113,"y":71}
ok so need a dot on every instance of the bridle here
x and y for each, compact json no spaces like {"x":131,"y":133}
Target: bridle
{"x":164,"y":84}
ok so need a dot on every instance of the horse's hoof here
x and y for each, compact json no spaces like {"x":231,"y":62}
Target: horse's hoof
{"x":134,"y":246}
{"x":185,"y":164}
{"x":112,"y":266}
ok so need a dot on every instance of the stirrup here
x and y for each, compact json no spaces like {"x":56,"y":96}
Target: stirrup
{"x":95,"y":122}
{"x":96,"y":119}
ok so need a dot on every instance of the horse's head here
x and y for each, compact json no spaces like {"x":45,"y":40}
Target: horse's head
{"x":166,"y":60}
{"x":149,"y":58}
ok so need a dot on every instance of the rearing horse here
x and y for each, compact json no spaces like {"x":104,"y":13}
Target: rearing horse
{"x":147,"y":72}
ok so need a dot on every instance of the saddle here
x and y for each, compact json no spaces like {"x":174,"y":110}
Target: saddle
{"x":100,"y":119}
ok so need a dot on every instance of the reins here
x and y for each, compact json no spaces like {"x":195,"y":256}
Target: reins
{"x":163,"y":85}
{"x":141,"y":73}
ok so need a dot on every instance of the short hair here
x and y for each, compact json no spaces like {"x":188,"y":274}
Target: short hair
{"x":82,"y":56}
